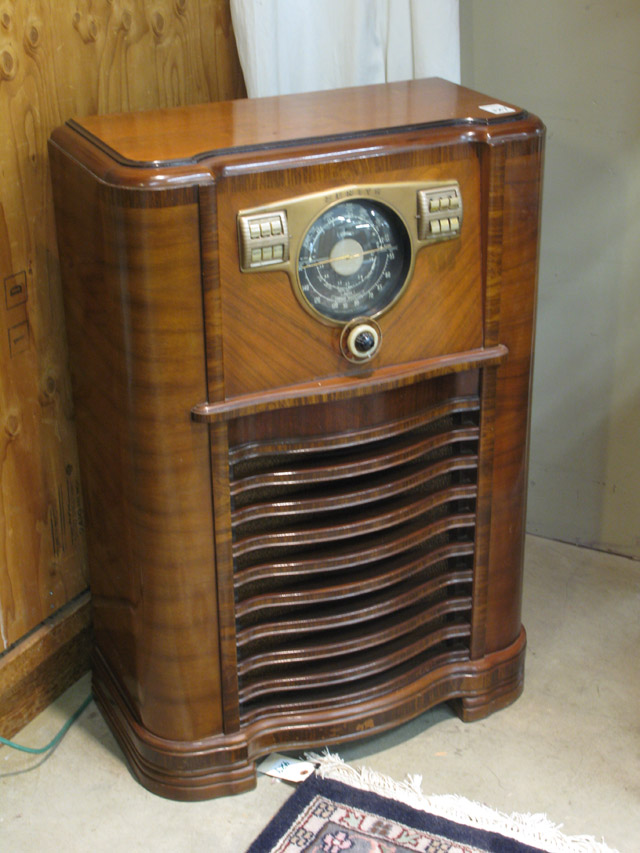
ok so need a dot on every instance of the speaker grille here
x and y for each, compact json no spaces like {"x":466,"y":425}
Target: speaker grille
{"x":353,"y":558}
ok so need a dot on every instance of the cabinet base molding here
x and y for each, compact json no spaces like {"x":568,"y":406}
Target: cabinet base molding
{"x":226,"y":764}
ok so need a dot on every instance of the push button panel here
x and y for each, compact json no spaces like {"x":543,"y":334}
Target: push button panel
{"x":439,"y":212}
{"x":264,"y":240}
{"x":271,"y":236}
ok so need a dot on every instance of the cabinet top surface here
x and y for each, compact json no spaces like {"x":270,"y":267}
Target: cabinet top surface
{"x":189,"y":133}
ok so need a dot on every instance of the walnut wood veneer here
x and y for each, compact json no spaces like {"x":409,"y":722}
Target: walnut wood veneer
{"x":288,"y":549}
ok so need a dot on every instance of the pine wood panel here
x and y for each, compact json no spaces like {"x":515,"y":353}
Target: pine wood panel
{"x":57,"y":60}
{"x":37,"y":670}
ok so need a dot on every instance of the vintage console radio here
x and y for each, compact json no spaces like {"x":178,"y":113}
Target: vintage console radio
{"x":300,"y":335}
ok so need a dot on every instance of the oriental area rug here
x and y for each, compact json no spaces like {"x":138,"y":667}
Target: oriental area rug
{"x":341,"y":809}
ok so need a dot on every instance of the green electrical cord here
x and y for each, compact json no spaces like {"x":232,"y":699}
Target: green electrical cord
{"x":57,"y":738}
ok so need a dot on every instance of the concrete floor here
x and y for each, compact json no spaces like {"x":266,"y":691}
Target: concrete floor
{"x":569,"y":747}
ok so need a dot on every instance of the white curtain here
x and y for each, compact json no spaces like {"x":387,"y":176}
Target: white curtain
{"x":305,"y":45}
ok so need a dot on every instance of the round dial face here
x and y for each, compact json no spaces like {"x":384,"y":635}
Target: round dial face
{"x":354,"y":260}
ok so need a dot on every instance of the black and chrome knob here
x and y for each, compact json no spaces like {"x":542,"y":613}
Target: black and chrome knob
{"x":360,"y":339}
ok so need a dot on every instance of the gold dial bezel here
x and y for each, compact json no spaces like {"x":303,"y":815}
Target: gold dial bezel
{"x":416,"y":204}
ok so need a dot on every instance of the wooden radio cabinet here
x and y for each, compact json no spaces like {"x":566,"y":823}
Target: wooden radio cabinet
{"x":300,"y":335}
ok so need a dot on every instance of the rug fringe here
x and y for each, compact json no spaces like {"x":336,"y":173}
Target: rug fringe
{"x":534,"y":829}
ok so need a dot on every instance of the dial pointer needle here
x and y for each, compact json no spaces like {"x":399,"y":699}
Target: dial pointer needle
{"x":348,"y":257}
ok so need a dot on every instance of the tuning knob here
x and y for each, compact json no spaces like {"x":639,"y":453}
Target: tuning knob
{"x":360,"y":339}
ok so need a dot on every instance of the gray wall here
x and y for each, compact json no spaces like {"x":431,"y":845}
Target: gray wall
{"x":577,"y":66}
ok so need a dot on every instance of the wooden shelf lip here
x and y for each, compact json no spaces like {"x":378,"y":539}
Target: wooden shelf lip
{"x":341,"y":387}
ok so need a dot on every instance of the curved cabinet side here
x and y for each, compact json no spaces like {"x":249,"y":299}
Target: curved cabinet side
{"x":517,"y":258}
{"x":132,"y":286}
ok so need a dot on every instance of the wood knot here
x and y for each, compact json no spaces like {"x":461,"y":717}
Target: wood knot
{"x":5,"y":20}
{"x":32,"y":35}
{"x":12,"y":426}
{"x":181,"y":6}
{"x":126,"y":20}
{"x":88,"y":31}
{"x":8,"y":64}
{"x":157,"y":24}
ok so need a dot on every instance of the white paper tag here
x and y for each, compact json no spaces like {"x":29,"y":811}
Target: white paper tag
{"x":497,"y":109}
{"x":283,"y":767}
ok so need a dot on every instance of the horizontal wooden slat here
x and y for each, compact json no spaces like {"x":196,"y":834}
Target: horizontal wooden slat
{"x":356,"y":524}
{"x":388,"y":625}
{"x":352,"y":438}
{"x":352,"y":612}
{"x":399,"y":453}
{"x":390,"y":681}
{"x":380,"y":576}
{"x":376,"y":489}
{"x":339,"y":559}
{"x":376,"y":579}
{"x":355,"y":667}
